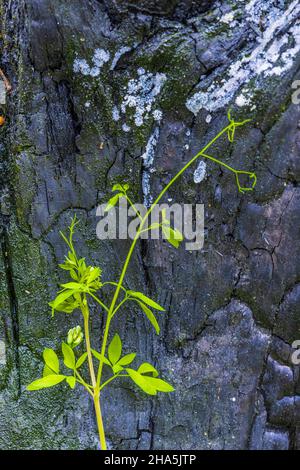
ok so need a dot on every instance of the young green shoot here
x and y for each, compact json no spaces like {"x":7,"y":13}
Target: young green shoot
{"x":85,"y":285}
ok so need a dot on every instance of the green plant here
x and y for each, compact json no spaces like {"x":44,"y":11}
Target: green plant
{"x":84,"y":285}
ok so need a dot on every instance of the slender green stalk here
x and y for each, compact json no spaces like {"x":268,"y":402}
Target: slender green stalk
{"x":133,"y":207}
{"x":85,"y":312}
{"x":111,"y":379}
{"x":82,"y":382}
{"x":96,"y":391}
{"x":99,"y":420}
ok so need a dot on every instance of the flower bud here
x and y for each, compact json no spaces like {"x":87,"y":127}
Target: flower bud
{"x":75,"y":336}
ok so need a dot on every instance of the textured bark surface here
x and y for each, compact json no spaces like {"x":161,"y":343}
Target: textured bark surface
{"x":83,"y":73}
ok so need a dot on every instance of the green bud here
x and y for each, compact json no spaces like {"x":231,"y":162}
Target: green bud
{"x":75,"y":336}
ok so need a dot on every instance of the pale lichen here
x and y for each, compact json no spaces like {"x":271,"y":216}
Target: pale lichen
{"x":148,"y":160}
{"x":2,"y":92}
{"x":272,"y":55}
{"x":115,"y":114}
{"x":100,"y":57}
{"x":200,"y":172}
{"x":140,"y":96}
{"x":2,"y":353}
{"x":118,"y":55}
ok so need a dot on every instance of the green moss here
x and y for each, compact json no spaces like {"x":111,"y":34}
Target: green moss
{"x":174,"y":56}
{"x":30,"y":274}
{"x":218,"y":30}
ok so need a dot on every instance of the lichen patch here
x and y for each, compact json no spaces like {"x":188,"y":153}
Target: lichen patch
{"x":148,"y":160}
{"x":200,"y":172}
{"x":2,"y":353}
{"x":140,"y":97}
{"x":100,"y":57}
{"x":272,"y":55}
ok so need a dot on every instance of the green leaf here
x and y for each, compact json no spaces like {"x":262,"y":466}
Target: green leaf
{"x":51,"y":360}
{"x":74,"y":274}
{"x":47,"y":371}
{"x":151,"y":317}
{"x":45,"y":382}
{"x":150,"y":385}
{"x":93,"y":274}
{"x":147,"y":368}
{"x":145,"y":300}
{"x":115,"y":349}
{"x":125,"y":360}
{"x":76,"y":286}
{"x":64,"y":238}
{"x":117,"y":368}
{"x":81,"y":360}
{"x":60,"y":299}
{"x":174,"y":237}
{"x":141,"y":382}
{"x":159,"y":384}
{"x":69,"y":357}
{"x":69,"y":305}
{"x":113,"y":201}
{"x":71,"y":381}
{"x":100,"y":358}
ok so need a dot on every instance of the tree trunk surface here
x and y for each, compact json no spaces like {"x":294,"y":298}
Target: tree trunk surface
{"x":128,"y":91}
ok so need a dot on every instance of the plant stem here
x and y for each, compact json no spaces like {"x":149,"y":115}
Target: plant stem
{"x":112,"y":378}
{"x":133,"y":207}
{"x":99,"y":420}
{"x":99,"y":301}
{"x":85,"y":312}
{"x":96,"y":391}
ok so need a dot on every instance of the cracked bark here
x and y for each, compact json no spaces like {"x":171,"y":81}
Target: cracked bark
{"x":231,"y":309}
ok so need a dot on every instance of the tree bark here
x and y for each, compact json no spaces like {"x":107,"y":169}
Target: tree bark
{"x":96,"y":85}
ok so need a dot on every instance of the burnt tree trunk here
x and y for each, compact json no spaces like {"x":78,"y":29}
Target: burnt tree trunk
{"x":96,"y":85}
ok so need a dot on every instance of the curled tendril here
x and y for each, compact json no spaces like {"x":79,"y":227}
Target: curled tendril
{"x":233,"y":125}
{"x":251,"y":175}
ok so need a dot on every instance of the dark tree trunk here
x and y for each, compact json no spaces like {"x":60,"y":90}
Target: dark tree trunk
{"x":232,"y":309}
